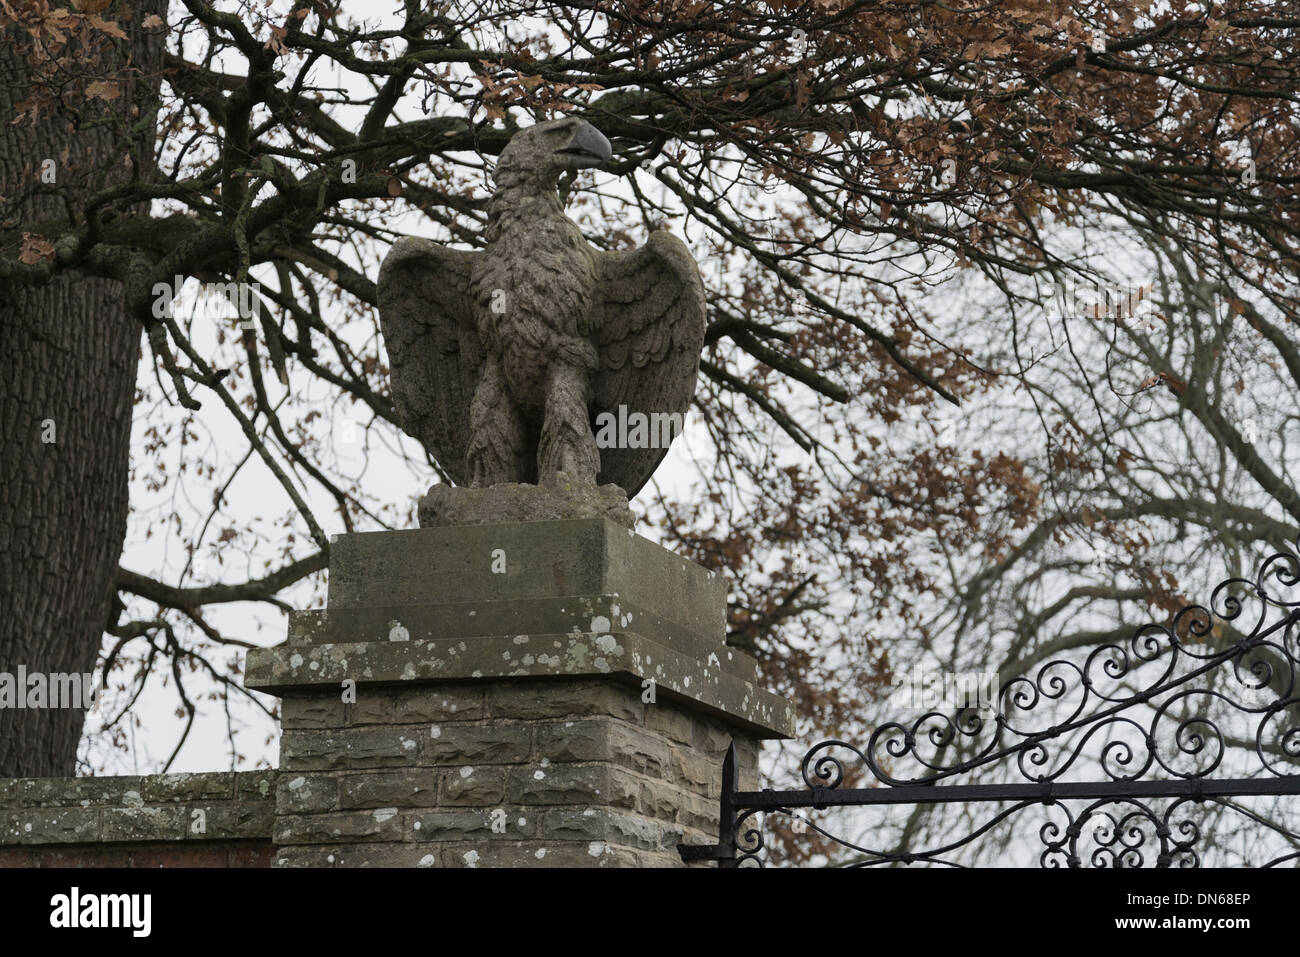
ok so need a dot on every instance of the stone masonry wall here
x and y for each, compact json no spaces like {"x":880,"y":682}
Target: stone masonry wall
{"x":145,"y":821}
{"x":549,"y":693}
{"x":565,"y":773}
{"x":538,"y":694}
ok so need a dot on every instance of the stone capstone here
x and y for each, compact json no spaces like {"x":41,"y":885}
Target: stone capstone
{"x":560,"y":498}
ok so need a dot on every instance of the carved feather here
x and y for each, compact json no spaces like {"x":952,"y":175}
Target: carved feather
{"x":649,"y":331}
{"x":434,"y":354}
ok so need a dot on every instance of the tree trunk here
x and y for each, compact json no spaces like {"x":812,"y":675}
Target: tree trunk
{"x":68,"y":359}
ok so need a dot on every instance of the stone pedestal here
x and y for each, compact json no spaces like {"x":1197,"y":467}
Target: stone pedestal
{"x":551,"y":693}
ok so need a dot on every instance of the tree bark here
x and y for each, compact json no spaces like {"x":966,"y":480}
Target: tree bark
{"x":68,"y":358}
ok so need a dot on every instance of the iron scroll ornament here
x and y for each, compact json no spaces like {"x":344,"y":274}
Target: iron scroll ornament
{"x":1150,"y":723}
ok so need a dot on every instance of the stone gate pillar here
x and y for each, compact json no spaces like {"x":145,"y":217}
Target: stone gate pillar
{"x":543,"y":693}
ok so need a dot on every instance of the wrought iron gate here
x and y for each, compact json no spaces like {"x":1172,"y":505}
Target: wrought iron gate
{"x":1220,"y":696}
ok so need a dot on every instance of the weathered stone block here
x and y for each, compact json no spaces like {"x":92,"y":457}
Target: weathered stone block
{"x":371,"y":707}
{"x":412,"y":787}
{"x":712,"y":737}
{"x":159,"y":788}
{"x":86,"y":792}
{"x":311,"y":711}
{"x":52,"y":826}
{"x":144,"y":823}
{"x":482,"y":824}
{"x":305,"y":793}
{"x":256,"y":785}
{"x":635,"y":748}
{"x":380,"y":824}
{"x":436,"y":703}
{"x":602,"y":739}
{"x":230,"y":821}
{"x":584,"y":740}
{"x":444,"y":505}
{"x":594,"y":784}
{"x":610,"y":827}
{"x":473,"y":743}
{"x":695,"y":811}
{"x":672,"y":721}
{"x":543,"y":559}
{"x":380,"y":747}
{"x":696,"y":772}
{"x":473,"y":787}
{"x":663,"y":801}
{"x":564,"y":699}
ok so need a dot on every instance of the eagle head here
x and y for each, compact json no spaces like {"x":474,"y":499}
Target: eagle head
{"x":539,"y":154}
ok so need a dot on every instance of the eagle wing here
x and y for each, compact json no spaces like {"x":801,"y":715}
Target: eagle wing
{"x":649,"y":329}
{"x":427,"y":317}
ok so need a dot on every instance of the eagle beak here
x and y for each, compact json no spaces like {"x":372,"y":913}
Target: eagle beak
{"x":588,"y":148}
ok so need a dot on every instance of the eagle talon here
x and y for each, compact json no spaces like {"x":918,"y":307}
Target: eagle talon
{"x":561,"y":479}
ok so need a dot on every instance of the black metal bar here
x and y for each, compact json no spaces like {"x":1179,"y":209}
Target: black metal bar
{"x":1190,"y":627}
{"x":724,"y":852}
{"x":701,"y":852}
{"x":1048,"y":791}
{"x":727,"y":810}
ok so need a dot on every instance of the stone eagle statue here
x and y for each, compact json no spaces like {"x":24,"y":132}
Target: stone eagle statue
{"x":504,"y":359}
